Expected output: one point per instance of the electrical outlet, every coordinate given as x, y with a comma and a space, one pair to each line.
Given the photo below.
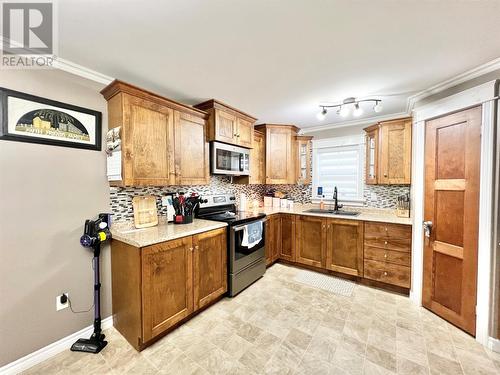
373, 197
59, 304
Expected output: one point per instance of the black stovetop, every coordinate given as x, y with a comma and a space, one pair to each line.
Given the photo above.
234, 218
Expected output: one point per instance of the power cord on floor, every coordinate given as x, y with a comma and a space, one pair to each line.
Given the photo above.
81, 311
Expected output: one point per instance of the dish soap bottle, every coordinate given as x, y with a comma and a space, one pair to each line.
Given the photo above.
322, 204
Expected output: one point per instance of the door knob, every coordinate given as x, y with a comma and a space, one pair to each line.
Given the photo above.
427, 228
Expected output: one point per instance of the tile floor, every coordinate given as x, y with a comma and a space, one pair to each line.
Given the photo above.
278, 326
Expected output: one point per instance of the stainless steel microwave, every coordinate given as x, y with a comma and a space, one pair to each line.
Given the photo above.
229, 160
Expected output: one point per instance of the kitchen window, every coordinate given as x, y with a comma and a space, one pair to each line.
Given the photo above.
339, 162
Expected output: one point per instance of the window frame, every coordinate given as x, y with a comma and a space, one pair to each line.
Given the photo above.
355, 142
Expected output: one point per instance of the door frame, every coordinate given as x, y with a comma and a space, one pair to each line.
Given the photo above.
485, 95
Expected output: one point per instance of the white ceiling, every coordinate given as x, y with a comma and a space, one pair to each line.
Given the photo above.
278, 59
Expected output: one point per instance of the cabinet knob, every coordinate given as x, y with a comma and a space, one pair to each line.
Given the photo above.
385, 174
235, 135
386, 229
385, 273
190, 249
196, 247
385, 255
385, 242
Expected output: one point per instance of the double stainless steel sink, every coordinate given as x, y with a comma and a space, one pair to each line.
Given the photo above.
332, 212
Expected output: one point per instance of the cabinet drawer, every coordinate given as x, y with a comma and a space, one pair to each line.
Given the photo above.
396, 257
389, 243
387, 273
379, 230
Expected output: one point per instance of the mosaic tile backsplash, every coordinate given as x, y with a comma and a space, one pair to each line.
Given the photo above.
121, 198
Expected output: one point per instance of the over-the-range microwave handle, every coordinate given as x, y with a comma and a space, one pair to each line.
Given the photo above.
242, 226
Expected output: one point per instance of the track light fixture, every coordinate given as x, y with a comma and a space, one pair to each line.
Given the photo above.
343, 109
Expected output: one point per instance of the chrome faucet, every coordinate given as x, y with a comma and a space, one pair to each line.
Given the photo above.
336, 205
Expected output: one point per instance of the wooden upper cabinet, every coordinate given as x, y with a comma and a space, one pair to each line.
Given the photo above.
257, 162
372, 147
209, 267
227, 124
167, 282
345, 246
388, 152
151, 127
280, 153
245, 132
303, 159
311, 240
191, 151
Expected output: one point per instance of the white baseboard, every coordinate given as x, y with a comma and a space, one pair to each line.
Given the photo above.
494, 344
50, 350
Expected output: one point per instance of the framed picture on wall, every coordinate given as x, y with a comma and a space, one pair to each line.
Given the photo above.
30, 118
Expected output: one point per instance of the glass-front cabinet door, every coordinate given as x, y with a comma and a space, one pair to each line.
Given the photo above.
371, 155
303, 159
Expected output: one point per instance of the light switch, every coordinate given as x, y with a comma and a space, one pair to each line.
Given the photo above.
373, 196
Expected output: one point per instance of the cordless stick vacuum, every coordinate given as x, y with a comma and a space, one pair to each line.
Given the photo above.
95, 233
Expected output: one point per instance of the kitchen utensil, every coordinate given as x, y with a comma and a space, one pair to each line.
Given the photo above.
145, 211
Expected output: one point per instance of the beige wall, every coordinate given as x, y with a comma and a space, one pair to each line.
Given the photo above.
46, 193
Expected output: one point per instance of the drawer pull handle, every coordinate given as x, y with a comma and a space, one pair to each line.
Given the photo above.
386, 229
385, 273
385, 256
385, 242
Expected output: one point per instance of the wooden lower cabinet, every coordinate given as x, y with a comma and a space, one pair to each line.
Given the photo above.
287, 249
156, 287
344, 252
311, 240
209, 267
167, 285
273, 238
375, 251
387, 253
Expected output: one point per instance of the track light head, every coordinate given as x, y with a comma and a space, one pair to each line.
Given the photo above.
378, 106
357, 110
322, 114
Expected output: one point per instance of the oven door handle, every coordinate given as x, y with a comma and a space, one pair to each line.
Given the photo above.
241, 227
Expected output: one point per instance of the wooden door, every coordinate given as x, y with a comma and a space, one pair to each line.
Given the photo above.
287, 249
209, 266
311, 240
345, 246
191, 150
225, 127
452, 161
278, 156
167, 285
395, 152
245, 132
148, 147
371, 169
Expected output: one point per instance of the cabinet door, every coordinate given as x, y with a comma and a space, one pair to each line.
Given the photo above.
269, 240
371, 169
311, 240
225, 127
167, 285
257, 160
345, 246
287, 250
245, 133
210, 266
191, 150
303, 161
395, 152
279, 156
148, 145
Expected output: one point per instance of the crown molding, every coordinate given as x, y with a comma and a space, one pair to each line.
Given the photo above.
81, 71
478, 71
365, 121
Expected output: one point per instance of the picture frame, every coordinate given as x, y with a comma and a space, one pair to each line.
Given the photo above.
34, 119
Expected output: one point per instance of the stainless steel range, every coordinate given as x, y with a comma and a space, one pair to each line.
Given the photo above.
245, 242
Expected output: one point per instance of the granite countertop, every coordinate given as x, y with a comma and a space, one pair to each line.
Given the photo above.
367, 214
127, 233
